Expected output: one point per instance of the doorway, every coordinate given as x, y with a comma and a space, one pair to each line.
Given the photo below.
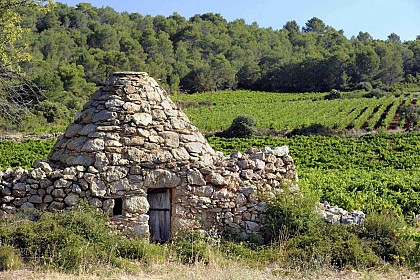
159, 214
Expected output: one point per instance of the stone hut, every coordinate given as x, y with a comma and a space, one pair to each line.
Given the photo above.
132, 153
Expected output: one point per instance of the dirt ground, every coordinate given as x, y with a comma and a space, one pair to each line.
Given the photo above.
205, 272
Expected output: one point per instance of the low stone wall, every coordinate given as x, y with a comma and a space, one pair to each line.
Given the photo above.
219, 196
337, 215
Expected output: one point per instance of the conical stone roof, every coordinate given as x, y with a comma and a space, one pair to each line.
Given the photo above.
131, 122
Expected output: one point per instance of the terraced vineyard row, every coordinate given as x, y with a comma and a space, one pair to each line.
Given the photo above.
215, 111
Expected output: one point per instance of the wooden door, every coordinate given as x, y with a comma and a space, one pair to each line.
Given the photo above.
159, 214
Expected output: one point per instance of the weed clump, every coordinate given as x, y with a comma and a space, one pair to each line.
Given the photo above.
9, 258
69, 241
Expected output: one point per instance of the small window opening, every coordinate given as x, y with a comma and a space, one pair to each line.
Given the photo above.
117, 207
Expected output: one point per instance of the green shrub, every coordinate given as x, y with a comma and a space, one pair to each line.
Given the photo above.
140, 249
73, 240
9, 258
288, 215
412, 235
187, 104
242, 126
313, 129
52, 111
377, 93
365, 86
329, 245
334, 94
380, 231
253, 254
411, 114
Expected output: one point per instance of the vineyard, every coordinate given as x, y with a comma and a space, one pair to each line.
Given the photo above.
23, 154
372, 172
368, 173
214, 111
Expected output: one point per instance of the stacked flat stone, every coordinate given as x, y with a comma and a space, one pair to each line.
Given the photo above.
130, 121
335, 214
130, 138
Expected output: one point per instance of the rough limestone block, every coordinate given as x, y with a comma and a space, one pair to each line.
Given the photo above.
72, 130
98, 188
95, 202
72, 199
136, 204
216, 179
141, 230
56, 206
195, 177
143, 119
161, 178
280, 151
104, 116
93, 145
36, 199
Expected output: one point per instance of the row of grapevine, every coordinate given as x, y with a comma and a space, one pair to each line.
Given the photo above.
288, 111
23, 154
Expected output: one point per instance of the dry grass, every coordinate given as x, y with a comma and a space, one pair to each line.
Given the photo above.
220, 271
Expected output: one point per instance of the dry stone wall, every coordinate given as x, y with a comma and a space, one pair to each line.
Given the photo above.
129, 139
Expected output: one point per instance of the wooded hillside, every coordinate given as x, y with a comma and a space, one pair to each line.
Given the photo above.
73, 50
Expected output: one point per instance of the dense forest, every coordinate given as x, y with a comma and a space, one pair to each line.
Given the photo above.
74, 49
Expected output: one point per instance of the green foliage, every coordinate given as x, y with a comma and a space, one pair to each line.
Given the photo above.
377, 93
329, 245
290, 214
52, 111
313, 129
76, 48
206, 54
192, 246
334, 94
381, 232
291, 222
11, 30
242, 126
9, 258
23, 154
74, 240
412, 234
367, 86
411, 114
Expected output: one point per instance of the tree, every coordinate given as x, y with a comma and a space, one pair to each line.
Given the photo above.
292, 26
391, 63
394, 38
411, 114
17, 93
365, 65
364, 37
315, 25
11, 31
